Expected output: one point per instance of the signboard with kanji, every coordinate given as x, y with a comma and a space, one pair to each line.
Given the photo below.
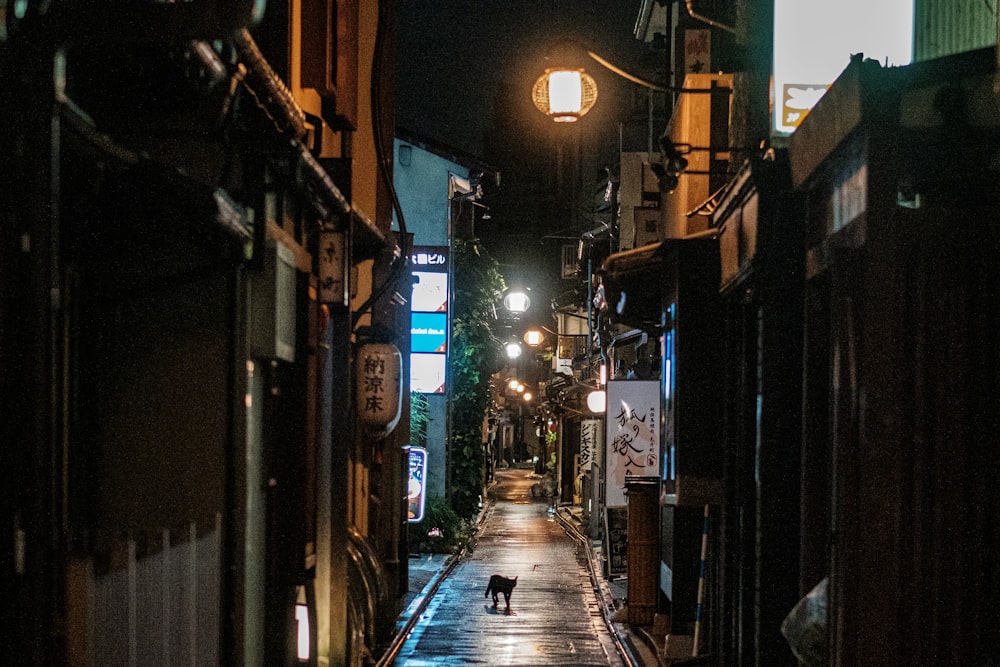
332, 271
632, 435
590, 441
616, 530
379, 385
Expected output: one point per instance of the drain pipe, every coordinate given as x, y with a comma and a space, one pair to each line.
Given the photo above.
705, 19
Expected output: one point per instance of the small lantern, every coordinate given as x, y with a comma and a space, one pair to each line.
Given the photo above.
597, 401
564, 94
379, 387
533, 337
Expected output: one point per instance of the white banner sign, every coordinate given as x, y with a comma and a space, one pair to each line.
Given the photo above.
590, 441
633, 435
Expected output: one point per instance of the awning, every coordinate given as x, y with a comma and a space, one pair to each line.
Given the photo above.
633, 284
637, 282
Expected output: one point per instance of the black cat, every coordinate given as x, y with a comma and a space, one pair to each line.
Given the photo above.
503, 585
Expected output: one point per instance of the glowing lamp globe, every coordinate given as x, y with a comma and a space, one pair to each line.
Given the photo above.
597, 401
517, 302
533, 337
564, 95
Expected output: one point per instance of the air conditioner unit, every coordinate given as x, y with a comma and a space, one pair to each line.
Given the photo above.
271, 305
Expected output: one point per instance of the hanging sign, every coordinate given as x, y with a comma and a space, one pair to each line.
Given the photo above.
590, 442
632, 435
416, 490
616, 530
332, 271
379, 386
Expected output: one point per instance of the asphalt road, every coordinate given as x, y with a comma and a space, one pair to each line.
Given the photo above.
554, 616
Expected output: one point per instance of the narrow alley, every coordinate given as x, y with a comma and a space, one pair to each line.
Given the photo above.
555, 615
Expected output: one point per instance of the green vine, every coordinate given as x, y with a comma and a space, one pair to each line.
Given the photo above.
474, 358
419, 414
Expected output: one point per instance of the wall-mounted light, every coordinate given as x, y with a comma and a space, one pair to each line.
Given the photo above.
513, 350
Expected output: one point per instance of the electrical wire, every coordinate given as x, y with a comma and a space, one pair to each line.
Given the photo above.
401, 263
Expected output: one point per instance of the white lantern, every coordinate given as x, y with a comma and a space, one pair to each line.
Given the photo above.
379, 387
597, 401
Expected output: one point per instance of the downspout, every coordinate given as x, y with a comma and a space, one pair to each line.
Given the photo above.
705, 19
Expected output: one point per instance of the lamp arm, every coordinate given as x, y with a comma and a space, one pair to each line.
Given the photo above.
705, 19
649, 84
625, 75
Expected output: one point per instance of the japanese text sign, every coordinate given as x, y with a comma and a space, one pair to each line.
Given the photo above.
590, 441
632, 435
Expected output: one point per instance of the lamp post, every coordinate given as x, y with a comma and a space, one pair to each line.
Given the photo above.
567, 93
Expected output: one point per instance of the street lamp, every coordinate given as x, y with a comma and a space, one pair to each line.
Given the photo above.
533, 337
517, 301
566, 93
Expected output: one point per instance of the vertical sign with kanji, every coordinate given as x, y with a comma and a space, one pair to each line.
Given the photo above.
632, 435
590, 434
697, 51
332, 268
379, 386
616, 530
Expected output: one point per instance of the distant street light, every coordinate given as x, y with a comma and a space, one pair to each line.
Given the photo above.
517, 301
513, 350
533, 337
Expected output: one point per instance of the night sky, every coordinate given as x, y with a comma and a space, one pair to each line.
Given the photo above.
464, 72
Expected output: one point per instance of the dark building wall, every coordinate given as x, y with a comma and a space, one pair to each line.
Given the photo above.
905, 285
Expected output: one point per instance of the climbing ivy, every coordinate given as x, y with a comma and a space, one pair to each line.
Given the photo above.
419, 413
474, 358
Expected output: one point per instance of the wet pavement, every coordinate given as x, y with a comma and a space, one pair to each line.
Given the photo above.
556, 617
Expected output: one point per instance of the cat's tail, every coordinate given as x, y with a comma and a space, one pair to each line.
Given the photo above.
488, 590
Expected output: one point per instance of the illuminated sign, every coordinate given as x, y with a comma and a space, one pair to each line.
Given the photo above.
815, 39
428, 332
633, 435
430, 292
429, 324
427, 373
416, 487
